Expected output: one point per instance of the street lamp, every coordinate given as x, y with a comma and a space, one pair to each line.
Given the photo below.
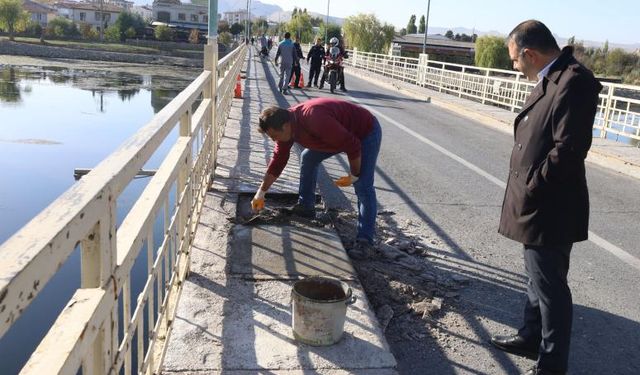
426, 28
326, 25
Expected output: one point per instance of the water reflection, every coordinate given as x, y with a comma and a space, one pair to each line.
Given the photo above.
55, 120
9, 90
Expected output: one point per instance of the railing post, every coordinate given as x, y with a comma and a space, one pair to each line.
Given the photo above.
461, 85
211, 64
516, 90
485, 86
354, 63
607, 110
98, 262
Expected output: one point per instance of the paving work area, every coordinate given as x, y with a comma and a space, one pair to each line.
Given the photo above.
234, 313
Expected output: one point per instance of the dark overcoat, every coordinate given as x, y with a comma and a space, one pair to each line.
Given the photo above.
546, 201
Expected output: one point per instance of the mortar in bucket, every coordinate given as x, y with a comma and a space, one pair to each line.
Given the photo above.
319, 309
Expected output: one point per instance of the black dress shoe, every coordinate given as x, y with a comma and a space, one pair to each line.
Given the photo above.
538, 371
516, 345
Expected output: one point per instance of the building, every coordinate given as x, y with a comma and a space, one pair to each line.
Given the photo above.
176, 14
238, 16
144, 11
94, 14
410, 45
40, 13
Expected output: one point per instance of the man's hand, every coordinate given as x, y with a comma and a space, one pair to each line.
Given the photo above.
346, 180
257, 203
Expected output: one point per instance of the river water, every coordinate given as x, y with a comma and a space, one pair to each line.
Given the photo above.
54, 119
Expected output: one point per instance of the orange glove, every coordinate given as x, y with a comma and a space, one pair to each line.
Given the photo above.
346, 180
257, 203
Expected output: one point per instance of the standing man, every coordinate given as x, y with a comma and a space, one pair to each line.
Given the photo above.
546, 202
326, 127
316, 54
286, 51
296, 62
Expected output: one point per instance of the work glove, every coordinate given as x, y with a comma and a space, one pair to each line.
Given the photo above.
257, 203
346, 180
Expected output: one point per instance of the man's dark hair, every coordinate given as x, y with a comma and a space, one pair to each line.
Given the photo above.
287, 35
273, 118
535, 35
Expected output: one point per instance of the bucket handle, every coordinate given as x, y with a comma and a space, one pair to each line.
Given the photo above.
351, 299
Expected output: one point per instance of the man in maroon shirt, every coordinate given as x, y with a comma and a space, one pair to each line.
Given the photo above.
325, 127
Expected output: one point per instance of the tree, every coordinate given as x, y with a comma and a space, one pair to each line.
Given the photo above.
411, 26
301, 25
492, 52
571, 41
236, 29
163, 33
62, 28
403, 31
225, 38
223, 27
112, 34
128, 20
422, 25
194, 36
449, 34
365, 32
332, 30
12, 17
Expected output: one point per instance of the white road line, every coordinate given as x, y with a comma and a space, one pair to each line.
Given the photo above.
599, 241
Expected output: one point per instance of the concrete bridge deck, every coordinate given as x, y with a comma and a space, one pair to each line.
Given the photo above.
234, 314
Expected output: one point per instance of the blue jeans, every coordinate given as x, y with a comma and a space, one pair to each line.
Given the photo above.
367, 204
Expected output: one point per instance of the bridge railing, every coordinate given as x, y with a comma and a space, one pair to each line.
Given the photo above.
618, 111
86, 335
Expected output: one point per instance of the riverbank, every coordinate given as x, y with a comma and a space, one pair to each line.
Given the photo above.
99, 53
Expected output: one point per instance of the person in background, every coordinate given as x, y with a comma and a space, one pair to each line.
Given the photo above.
326, 127
316, 55
295, 72
546, 202
287, 53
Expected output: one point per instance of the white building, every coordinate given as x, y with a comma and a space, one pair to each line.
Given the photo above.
239, 16
40, 13
144, 11
91, 13
175, 13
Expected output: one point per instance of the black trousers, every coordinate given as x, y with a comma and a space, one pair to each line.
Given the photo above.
295, 72
314, 73
548, 313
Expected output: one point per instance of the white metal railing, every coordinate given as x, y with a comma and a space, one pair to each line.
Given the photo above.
86, 333
618, 111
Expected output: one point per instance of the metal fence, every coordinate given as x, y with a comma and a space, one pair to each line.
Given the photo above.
618, 115
86, 335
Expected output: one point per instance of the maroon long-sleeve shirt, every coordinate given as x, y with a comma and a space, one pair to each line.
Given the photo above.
324, 124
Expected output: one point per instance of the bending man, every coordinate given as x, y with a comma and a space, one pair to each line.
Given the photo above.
326, 127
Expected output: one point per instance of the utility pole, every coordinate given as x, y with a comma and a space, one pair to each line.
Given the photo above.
326, 25
101, 21
426, 28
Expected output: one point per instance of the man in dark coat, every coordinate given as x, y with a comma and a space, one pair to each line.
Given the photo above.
316, 55
546, 202
295, 70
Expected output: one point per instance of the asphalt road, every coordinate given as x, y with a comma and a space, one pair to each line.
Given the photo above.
443, 172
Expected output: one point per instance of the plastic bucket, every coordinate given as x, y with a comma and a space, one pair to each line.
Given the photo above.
319, 309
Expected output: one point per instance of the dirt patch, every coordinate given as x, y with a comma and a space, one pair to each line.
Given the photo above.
413, 299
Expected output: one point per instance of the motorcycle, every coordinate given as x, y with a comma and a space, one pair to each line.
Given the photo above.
333, 65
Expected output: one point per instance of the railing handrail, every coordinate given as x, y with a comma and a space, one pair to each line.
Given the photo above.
617, 114
84, 216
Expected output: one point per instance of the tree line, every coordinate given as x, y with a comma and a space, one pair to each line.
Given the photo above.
492, 52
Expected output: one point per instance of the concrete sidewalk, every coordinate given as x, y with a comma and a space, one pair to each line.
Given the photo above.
234, 315
620, 157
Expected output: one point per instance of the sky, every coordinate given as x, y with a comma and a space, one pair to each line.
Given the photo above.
617, 21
